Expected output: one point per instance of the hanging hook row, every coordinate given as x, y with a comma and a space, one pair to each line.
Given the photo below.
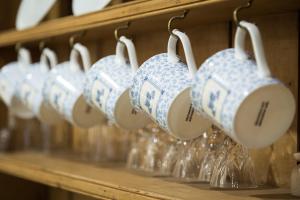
117, 30
238, 9
126, 26
170, 29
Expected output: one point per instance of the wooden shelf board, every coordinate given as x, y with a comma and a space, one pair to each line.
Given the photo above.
115, 182
146, 14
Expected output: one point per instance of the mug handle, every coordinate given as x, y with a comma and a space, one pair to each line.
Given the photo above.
188, 52
80, 50
24, 56
52, 58
125, 42
239, 45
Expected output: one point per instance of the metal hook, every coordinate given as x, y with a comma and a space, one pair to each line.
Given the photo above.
174, 18
42, 45
116, 32
18, 46
75, 36
238, 9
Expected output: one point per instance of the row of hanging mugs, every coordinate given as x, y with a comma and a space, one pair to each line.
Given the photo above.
230, 90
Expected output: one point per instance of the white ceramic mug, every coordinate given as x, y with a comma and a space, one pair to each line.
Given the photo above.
107, 87
30, 89
240, 95
10, 77
161, 88
63, 90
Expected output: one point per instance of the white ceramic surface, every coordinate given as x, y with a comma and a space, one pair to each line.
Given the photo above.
107, 87
63, 90
10, 77
31, 12
29, 90
240, 95
80, 7
161, 88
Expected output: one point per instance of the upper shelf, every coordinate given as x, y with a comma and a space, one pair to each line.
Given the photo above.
142, 12
113, 182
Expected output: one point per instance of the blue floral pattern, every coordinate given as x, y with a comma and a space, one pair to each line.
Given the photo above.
10, 77
30, 93
237, 77
110, 79
68, 87
157, 71
213, 97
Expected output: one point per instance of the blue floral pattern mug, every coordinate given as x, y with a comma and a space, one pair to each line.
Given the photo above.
10, 77
30, 88
107, 87
240, 95
63, 90
161, 88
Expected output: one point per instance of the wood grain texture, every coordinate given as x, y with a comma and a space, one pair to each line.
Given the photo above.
203, 10
115, 182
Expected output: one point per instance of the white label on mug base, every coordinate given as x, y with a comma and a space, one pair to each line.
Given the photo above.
261, 113
57, 98
149, 98
100, 93
214, 95
28, 94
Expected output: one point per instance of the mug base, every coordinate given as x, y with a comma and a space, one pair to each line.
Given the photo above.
48, 115
20, 110
264, 116
126, 116
84, 115
183, 122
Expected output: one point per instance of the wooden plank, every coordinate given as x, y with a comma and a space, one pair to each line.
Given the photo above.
203, 10
113, 182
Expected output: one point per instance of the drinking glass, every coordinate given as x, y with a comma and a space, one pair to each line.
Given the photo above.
116, 142
190, 156
152, 158
170, 156
97, 144
214, 142
6, 133
137, 149
233, 168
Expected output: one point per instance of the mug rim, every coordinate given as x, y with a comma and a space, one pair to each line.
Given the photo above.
254, 144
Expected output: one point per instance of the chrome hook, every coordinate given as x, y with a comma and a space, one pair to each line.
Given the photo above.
238, 9
116, 32
174, 18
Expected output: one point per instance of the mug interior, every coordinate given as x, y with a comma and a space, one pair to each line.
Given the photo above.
264, 116
183, 122
126, 116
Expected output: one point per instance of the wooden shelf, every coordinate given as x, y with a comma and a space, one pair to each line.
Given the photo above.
115, 182
146, 14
